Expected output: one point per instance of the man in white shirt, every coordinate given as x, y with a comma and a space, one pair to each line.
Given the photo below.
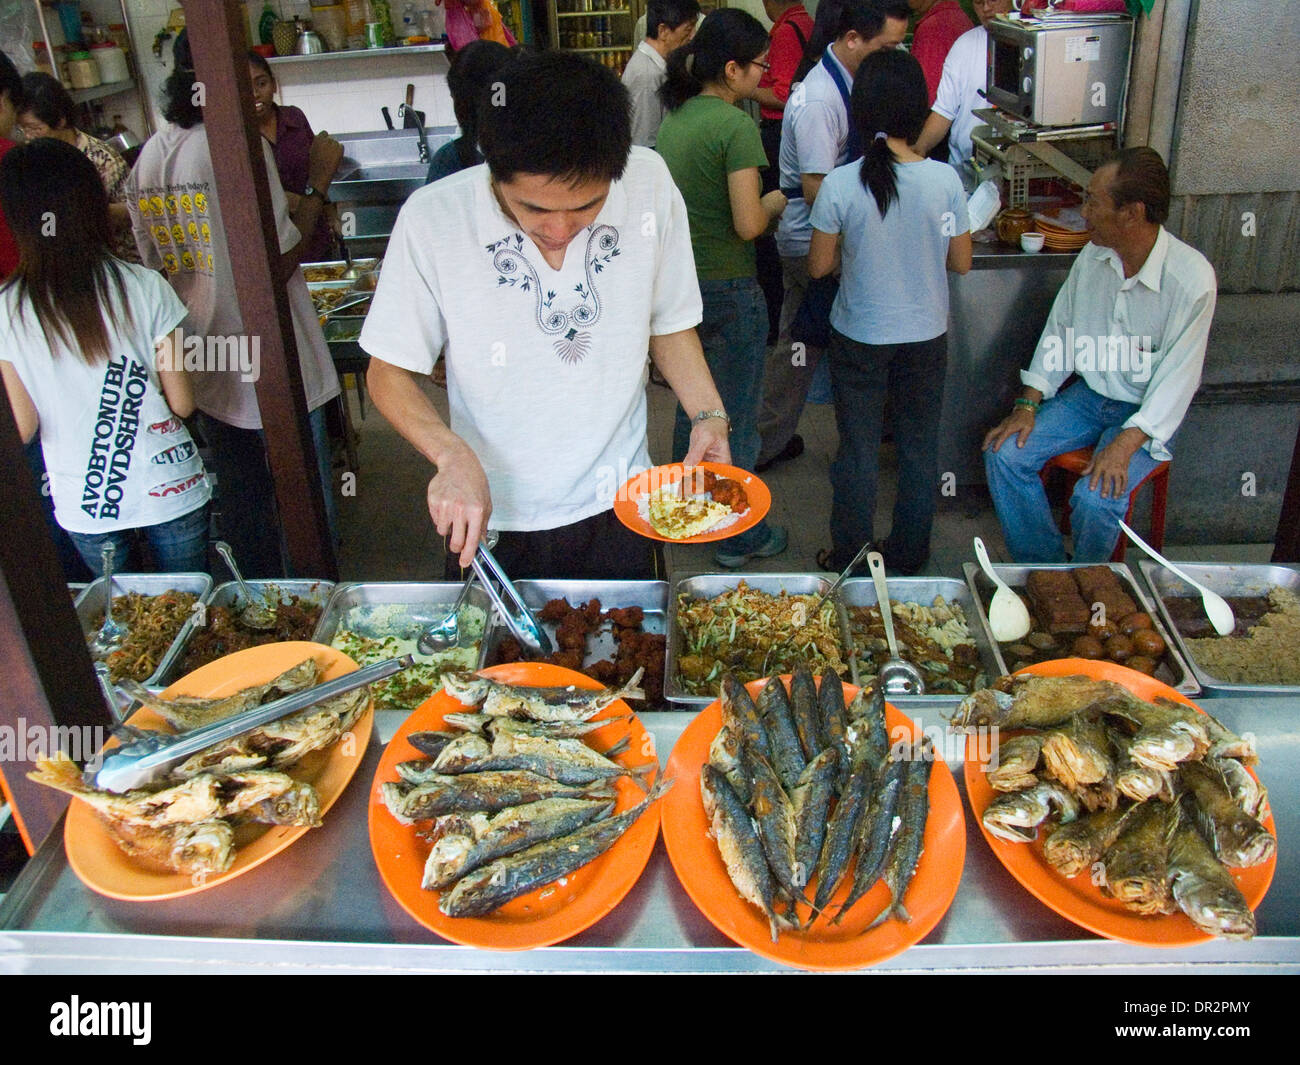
1131, 321
965, 74
542, 277
816, 137
669, 25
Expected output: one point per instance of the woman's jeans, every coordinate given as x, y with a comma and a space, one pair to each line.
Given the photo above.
246, 492
1075, 418
862, 377
734, 337
179, 545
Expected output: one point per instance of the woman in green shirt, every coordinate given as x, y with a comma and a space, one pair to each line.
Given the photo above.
714, 152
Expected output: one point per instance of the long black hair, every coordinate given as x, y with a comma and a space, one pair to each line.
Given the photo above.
726, 35
178, 90
57, 210
836, 17
473, 69
889, 100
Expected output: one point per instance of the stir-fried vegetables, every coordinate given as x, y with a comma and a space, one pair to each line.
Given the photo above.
733, 632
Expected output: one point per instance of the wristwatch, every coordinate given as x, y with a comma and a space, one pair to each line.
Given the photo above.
705, 415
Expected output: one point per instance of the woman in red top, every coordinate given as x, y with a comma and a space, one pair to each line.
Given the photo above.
938, 24
11, 99
290, 135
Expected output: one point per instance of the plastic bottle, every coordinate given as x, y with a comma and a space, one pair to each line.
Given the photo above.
410, 21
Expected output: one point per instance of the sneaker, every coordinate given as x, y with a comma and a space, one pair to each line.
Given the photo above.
776, 543
792, 450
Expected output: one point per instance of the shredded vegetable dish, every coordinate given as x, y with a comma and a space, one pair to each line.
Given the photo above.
734, 631
152, 623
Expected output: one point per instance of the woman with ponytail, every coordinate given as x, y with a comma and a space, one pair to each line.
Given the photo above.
899, 222
714, 152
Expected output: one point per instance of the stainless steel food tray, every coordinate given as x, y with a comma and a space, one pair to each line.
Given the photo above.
1173, 669
423, 603
228, 595
363, 265
650, 596
1226, 579
91, 602
860, 592
706, 586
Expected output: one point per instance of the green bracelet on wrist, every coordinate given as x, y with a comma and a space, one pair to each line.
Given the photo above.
1027, 404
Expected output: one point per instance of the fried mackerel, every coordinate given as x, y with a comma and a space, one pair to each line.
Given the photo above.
914, 807
568, 703
495, 884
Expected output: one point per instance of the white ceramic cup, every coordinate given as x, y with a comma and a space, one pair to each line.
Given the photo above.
1032, 241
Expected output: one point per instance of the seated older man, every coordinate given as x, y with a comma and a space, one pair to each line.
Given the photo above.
1131, 324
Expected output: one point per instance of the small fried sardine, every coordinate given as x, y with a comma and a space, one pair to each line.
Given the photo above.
568, 703
476, 791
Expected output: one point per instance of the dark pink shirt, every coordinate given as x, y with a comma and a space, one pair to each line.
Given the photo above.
933, 36
292, 147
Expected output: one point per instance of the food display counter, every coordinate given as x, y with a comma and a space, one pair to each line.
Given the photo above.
322, 907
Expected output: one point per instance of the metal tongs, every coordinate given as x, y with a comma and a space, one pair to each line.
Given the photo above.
521, 622
151, 755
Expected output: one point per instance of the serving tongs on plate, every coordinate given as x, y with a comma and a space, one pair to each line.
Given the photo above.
151, 755
521, 621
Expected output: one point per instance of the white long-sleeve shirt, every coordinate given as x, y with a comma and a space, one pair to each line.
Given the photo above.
1140, 339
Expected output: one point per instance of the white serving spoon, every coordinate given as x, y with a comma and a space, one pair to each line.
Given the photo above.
1216, 607
1008, 615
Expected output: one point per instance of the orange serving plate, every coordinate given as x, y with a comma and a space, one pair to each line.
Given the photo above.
847, 945
553, 912
1077, 899
630, 495
104, 867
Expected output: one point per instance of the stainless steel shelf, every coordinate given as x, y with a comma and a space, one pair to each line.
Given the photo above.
81, 96
360, 53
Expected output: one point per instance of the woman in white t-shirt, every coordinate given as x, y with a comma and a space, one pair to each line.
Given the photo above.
900, 223
88, 361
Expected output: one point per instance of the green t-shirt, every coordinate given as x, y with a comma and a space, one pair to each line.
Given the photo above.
702, 142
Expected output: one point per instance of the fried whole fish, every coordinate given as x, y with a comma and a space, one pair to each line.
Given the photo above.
1072, 848
464, 842
880, 831
495, 884
914, 811
1239, 840
740, 714
1223, 742
835, 721
811, 799
725, 752
204, 849
569, 761
1138, 782
1078, 752
185, 712
431, 743
1135, 865
1203, 889
1015, 817
733, 830
1031, 701
283, 743
567, 703
868, 735
1246, 791
807, 714
774, 710
774, 816
468, 792
1017, 762
1168, 733
843, 834
205, 797
489, 725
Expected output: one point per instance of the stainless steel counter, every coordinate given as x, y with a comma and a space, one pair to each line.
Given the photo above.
321, 907
995, 316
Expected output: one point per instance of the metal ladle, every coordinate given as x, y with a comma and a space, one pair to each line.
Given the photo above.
111, 633
445, 633
896, 677
254, 616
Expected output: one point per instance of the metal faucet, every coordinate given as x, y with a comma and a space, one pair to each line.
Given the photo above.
404, 112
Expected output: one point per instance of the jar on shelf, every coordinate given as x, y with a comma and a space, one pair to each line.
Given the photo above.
42, 57
82, 71
111, 62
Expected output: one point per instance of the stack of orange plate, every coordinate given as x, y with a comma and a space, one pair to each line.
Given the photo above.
1058, 237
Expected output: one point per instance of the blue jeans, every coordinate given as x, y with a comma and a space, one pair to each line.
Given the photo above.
863, 376
1075, 418
246, 492
734, 337
179, 545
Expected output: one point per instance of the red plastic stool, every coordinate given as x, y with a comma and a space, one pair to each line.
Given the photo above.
1073, 464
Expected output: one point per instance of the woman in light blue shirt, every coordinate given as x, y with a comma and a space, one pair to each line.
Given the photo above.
894, 223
